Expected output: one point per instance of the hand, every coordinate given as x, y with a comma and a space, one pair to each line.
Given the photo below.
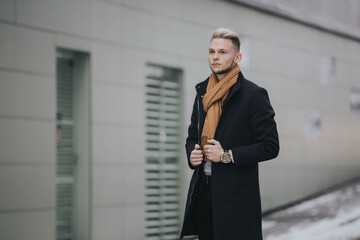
196, 156
213, 150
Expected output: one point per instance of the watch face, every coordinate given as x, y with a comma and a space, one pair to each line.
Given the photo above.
226, 157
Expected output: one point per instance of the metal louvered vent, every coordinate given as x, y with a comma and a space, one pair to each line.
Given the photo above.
162, 154
65, 151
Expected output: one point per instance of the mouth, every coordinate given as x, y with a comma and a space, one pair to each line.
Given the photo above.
215, 64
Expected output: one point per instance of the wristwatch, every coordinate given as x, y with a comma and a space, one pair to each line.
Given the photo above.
226, 157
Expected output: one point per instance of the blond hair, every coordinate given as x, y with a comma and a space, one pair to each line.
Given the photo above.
227, 34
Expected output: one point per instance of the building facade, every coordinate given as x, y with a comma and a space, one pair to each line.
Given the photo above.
96, 96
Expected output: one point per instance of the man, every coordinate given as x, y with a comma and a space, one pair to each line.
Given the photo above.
232, 129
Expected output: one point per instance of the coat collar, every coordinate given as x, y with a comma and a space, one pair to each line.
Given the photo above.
201, 87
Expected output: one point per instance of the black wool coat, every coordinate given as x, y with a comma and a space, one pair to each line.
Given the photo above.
247, 128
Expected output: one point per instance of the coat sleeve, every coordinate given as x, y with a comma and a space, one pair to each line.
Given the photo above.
266, 140
192, 138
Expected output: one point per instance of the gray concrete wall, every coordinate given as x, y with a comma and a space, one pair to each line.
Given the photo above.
340, 17
122, 36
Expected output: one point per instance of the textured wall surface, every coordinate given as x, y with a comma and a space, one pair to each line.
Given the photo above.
341, 17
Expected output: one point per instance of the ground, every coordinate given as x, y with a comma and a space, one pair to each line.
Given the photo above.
332, 215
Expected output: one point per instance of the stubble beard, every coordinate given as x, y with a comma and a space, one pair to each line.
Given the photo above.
224, 71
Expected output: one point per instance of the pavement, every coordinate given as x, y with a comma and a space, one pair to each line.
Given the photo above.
332, 215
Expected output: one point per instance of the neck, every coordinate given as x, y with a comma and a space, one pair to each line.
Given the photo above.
220, 76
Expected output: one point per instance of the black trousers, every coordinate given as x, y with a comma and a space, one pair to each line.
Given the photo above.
203, 211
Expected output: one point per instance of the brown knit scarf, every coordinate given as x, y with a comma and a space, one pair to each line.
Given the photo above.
216, 93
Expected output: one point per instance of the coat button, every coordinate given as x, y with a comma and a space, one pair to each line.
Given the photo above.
202, 96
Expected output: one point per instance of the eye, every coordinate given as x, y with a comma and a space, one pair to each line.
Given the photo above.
211, 51
222, 52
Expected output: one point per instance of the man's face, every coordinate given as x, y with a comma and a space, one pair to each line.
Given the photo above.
222, 56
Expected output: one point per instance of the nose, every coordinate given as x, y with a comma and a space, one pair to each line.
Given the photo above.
215, 56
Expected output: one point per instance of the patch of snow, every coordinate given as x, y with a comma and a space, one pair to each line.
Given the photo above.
332, 216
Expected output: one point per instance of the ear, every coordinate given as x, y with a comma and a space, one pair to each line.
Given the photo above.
238, 57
